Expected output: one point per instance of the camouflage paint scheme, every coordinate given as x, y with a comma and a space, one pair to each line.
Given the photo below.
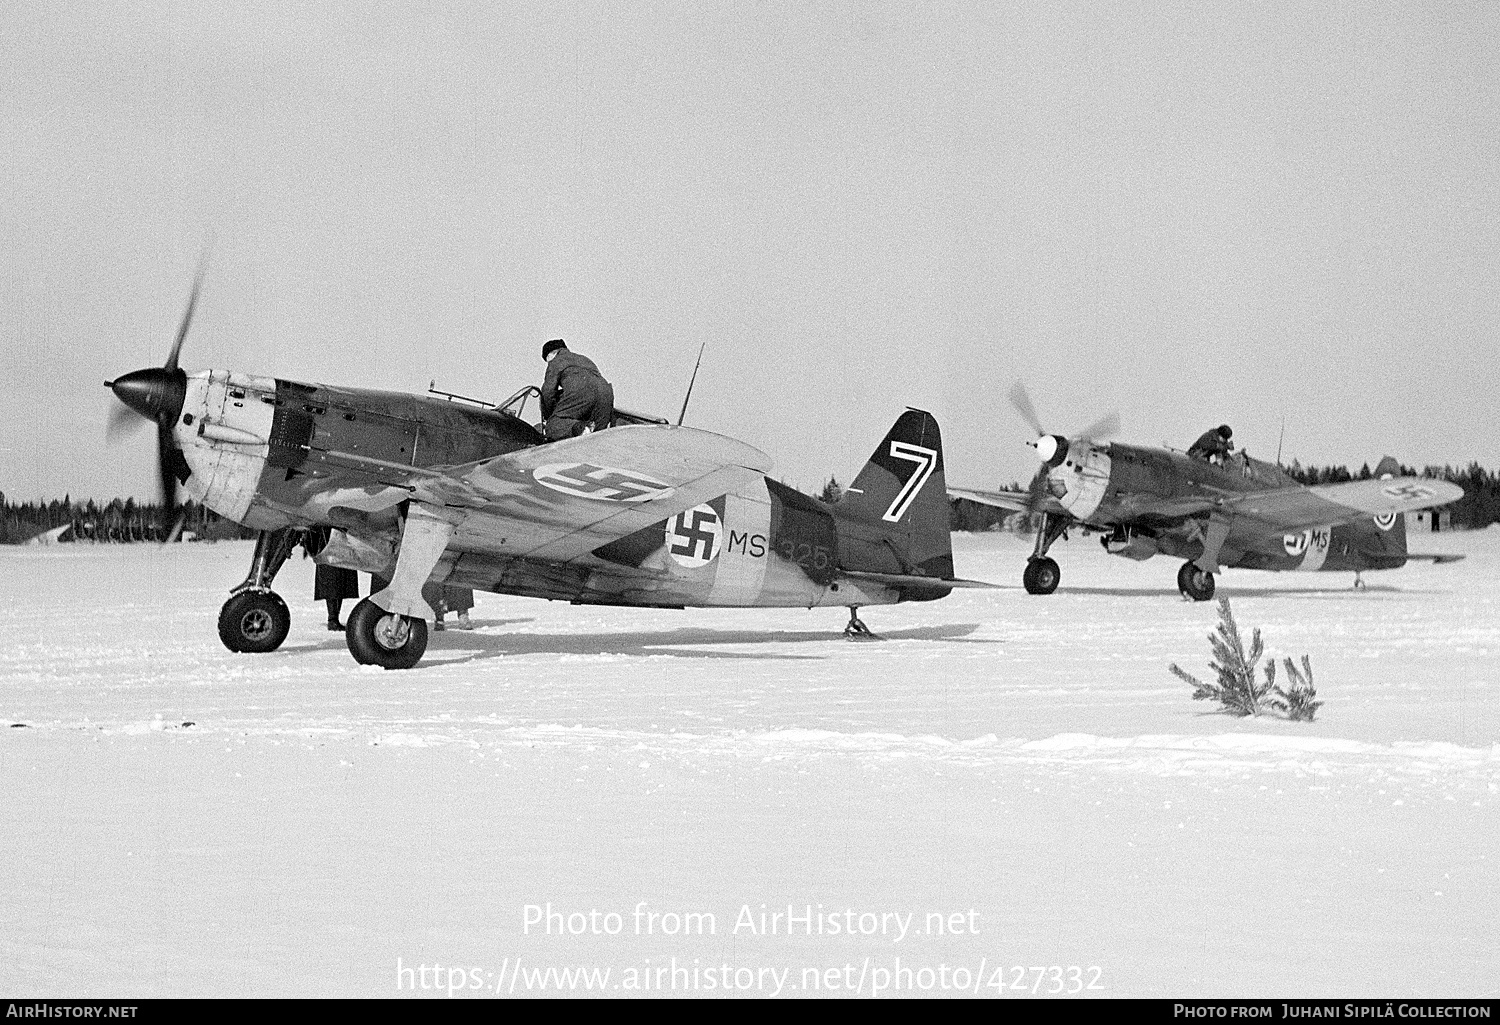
276, 454
1232, 512
1149, 490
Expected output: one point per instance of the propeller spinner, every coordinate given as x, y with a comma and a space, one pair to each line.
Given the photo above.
155, 393
1051, 449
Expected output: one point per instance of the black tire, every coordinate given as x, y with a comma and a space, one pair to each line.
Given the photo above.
254, 622
1042, 576
380, 638
1194, 583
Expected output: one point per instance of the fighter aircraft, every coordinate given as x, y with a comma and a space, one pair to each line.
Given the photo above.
1229, 511
415, 487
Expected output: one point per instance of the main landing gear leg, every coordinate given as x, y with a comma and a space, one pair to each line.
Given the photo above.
255, 619
1196, 578
856, 630
389, 628
1359, 580
1042, 574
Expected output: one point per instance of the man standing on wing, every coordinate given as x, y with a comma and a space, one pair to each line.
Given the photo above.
575, 396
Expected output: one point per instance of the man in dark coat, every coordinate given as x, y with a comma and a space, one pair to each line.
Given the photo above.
575, 396
331, 584
1214, 445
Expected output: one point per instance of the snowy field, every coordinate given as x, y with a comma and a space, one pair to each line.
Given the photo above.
1005, 782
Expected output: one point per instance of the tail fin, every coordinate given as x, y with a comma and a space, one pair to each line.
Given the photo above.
894, 517
1390, 535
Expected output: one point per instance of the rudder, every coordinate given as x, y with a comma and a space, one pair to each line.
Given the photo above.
894, 517
1390, 533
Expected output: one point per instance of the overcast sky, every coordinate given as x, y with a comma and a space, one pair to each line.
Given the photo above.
1190, 213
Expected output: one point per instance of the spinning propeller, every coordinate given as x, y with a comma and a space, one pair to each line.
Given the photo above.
157, 394
1052, 449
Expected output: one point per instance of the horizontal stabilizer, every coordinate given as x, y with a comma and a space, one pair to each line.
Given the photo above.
1297, 508
1436, 560
1000, 499
912, 580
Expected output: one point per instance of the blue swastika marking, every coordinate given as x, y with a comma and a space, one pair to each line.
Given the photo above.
605, 483
693, 536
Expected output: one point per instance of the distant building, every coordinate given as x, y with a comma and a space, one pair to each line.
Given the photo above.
1429, 521
56, 535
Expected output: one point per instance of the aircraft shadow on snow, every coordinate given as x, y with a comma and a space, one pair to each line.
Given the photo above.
677, 643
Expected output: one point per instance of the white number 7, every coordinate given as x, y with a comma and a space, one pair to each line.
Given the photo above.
926, 460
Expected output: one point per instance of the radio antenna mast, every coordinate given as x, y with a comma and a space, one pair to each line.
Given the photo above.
691, 381
1280, 437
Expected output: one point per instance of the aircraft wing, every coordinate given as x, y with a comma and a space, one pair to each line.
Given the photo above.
1017, 500
1298, 508
562, 500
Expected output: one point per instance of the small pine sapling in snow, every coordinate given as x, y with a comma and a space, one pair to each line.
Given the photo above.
1297, 700
1235, 686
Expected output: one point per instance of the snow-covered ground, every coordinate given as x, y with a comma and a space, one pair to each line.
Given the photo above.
1015, 782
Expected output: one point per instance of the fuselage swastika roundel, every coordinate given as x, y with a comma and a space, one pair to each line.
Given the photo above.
604, 483
693, 536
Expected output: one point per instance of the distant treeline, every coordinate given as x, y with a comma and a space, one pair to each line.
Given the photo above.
121, 520
1479, 507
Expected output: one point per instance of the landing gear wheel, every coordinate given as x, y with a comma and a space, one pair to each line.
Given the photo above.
254, 622
1042, 576
380, 638
1194, 583
856, 630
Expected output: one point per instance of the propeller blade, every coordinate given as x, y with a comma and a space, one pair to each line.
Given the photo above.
1104, 427
165, 453
157, 393
1022, 403
187, 316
